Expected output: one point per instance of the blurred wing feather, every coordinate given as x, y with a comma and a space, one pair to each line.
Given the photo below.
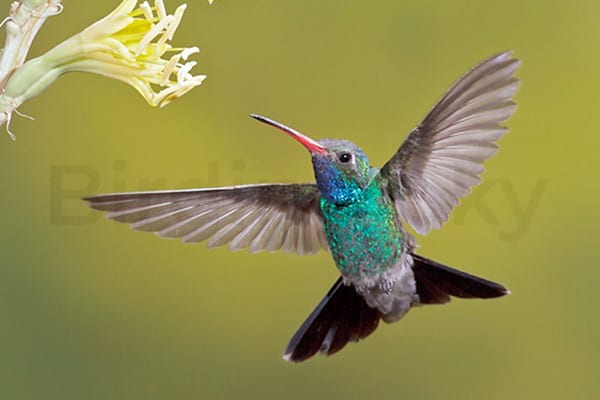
258, 217
441, 159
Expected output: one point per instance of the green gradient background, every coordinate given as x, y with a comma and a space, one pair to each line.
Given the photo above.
93, 310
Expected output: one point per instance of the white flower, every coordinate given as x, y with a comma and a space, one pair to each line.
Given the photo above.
131, 44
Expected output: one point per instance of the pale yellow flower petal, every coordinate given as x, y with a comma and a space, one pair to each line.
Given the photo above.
130, 44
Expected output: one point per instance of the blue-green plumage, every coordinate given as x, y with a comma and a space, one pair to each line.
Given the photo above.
366, 238
364, 235
360, 223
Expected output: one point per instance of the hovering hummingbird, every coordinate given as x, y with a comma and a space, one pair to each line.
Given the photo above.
355, 211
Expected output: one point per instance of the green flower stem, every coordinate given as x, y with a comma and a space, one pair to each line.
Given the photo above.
24, 21
22, 25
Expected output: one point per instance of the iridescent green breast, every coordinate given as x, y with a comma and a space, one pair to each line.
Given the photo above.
364, 236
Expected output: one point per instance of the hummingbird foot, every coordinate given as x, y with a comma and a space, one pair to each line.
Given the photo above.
386, 286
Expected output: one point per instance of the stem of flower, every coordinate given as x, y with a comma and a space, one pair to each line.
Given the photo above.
25, 19
22, 25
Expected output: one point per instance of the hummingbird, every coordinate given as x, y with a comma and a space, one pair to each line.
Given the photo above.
357, 212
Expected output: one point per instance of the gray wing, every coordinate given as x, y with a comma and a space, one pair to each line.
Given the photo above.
441, 159
260, 217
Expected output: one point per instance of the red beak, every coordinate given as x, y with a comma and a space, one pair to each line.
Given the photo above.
307, 142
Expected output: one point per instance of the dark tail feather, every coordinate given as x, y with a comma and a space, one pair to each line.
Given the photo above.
437, 282
342, 316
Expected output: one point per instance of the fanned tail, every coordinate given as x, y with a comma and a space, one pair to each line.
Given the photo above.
342, 316
437, 282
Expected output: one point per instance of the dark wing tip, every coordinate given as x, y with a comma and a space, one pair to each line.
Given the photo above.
111, 197
97, 202
92, 199
111, 202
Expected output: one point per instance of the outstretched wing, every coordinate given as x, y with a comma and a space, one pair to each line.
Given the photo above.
260, 217
441, 159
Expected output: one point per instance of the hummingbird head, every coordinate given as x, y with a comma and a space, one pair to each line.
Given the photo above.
341, 168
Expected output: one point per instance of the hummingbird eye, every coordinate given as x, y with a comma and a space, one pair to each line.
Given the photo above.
345, 157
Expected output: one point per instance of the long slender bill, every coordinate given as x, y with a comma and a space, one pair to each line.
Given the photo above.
310, 144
